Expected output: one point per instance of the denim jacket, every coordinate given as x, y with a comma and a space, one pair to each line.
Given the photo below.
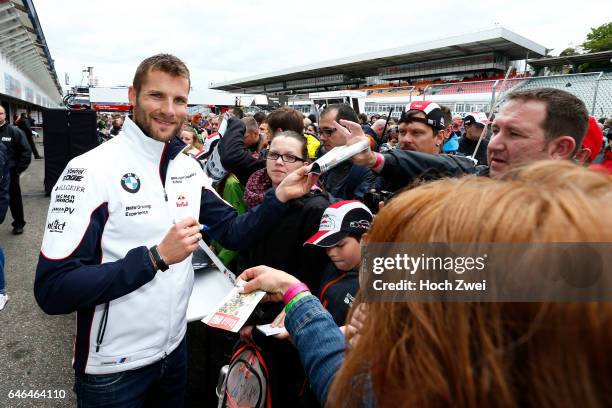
319, 342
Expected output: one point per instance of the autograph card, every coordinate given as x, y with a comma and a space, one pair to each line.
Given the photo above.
268, 330
234, 309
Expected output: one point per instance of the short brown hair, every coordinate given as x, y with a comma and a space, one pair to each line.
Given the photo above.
286, 119
260, 117
160, 62
566, 114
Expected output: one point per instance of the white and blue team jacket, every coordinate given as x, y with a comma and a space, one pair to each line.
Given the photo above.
108, 206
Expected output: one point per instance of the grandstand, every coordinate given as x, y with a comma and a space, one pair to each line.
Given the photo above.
465, 73
481, 55
603, 100
594, 89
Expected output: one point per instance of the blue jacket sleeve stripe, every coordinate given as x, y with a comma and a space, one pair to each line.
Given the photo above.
79, 281
81, 343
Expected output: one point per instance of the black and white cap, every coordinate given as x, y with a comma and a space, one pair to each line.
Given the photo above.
339, 220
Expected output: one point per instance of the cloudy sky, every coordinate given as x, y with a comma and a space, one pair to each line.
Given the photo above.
229, 39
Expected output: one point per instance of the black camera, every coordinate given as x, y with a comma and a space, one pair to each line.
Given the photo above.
373, 197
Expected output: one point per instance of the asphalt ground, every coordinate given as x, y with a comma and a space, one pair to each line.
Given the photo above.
35, 349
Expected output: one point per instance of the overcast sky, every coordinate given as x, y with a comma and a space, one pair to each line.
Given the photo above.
225, 40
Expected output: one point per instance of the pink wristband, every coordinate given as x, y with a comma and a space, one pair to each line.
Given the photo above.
379, 159
294, 290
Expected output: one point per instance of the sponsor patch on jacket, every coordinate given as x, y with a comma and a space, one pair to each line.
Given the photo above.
121, 360
56, 226
180, 179
64, 198
74, 174
69, 187
139, 209
130, 183
181, 201
62, 210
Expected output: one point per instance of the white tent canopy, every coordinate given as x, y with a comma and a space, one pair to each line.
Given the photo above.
119, 95
221, 98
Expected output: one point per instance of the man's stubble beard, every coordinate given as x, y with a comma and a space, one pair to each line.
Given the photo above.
144, 122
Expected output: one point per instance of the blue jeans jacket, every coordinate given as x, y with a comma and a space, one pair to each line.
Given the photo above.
319, 342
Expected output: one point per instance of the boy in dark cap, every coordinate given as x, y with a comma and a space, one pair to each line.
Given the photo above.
340, 231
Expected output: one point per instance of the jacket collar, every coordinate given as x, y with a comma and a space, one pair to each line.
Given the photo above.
149, 148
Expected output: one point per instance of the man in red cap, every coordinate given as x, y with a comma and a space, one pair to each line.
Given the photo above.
422, 128
591, 144
591, 147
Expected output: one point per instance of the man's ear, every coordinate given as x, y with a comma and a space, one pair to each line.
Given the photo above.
132, 95
561, 148
439, 137
583, 156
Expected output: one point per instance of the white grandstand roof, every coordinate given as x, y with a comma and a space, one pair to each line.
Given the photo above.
23, 43
498, 39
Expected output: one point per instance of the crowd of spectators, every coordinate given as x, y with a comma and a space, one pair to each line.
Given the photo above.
461, 160
538, 171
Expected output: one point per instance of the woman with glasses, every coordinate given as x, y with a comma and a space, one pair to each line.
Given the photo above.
283, 245
283, 248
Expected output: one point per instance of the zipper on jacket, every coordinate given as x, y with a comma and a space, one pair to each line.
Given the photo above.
102, 326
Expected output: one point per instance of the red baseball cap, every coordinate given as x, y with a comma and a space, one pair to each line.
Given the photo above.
593, 139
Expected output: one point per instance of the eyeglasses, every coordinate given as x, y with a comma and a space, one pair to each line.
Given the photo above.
287, 158
327, 131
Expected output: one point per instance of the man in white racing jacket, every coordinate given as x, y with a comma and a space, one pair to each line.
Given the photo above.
122, 223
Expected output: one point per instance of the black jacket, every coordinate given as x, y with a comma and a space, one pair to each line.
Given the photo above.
403, 167
338, 291
348, 181
283, 248
467, 146
25, 126
19, 151
4, 182
235, 156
